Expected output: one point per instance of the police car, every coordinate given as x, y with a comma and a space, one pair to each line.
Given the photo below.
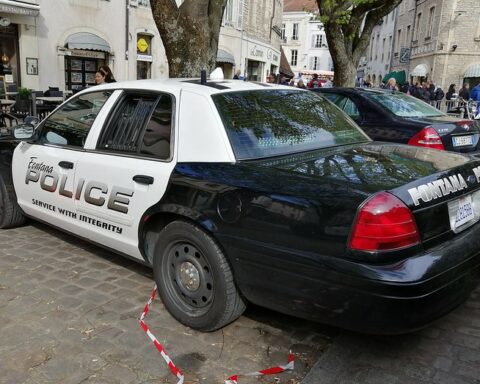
239, 192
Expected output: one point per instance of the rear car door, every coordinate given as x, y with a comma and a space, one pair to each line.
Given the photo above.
44, 169
127, 168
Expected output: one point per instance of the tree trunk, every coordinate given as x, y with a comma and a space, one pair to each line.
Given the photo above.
189, 34
343, 62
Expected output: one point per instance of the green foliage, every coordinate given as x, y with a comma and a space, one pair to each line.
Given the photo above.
23, 93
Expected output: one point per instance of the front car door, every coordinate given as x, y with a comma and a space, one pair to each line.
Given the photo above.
44, 169
126, 169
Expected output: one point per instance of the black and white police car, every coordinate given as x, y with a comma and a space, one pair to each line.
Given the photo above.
239, 192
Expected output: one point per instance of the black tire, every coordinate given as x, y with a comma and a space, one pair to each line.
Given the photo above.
194, 278
10, 213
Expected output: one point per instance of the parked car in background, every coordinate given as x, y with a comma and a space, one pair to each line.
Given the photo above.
396, 117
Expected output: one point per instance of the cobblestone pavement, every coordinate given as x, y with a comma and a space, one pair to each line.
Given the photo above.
69, 314
447, 352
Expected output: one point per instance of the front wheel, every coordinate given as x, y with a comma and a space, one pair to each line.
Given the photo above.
194, 278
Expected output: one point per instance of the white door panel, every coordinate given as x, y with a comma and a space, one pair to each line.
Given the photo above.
45, 189
110, 212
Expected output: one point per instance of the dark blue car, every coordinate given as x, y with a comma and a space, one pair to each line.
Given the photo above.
396, 117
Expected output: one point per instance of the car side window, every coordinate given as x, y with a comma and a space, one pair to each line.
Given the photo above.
351, 109
336, 99
141, 125
69, 125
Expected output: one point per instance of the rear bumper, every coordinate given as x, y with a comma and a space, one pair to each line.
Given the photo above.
387, 299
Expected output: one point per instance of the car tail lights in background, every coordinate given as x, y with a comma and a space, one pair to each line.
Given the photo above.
427, 137
383, 223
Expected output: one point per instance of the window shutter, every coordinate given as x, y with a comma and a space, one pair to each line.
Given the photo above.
241, 9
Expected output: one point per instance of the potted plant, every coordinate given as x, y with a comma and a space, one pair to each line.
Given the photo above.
23, 93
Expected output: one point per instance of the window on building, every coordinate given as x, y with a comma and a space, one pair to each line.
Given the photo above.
293, 61
295, 32
407, 36
417, 26
377, 47
317, 41
399, 41
383, 49
228, 14
430, 22
315, 63
390, 47
282, 33
371, 47
144, 3
144, 56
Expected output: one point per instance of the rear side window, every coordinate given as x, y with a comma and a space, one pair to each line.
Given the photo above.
141, 125
69, 125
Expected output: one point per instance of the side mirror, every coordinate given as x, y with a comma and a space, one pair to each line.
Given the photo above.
23, 131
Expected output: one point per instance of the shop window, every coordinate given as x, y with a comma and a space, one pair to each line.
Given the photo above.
144, 56
9, 65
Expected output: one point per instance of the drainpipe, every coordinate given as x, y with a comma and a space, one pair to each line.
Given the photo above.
127, 35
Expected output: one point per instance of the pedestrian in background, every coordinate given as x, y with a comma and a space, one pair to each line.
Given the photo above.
237, 75
300, 84
314, 83
391, 84
104, 75
451, 94
465, 92
475, 95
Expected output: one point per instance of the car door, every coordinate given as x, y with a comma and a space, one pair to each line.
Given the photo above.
127, 169
44, 169
346, 104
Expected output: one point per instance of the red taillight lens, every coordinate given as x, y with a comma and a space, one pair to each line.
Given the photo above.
427, 137
384, 223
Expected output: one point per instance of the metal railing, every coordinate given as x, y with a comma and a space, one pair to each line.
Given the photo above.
458, 108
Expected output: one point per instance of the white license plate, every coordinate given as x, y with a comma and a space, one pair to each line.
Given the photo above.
461, 212
459, 141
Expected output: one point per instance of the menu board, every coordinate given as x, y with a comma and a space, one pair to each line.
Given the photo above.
2, 87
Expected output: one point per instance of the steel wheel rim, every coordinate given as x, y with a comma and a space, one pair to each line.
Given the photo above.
188, 277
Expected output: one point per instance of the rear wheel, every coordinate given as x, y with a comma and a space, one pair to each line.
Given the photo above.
194, 278
10, 213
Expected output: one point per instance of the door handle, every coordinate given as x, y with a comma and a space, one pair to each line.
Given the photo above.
142, 179
66, 164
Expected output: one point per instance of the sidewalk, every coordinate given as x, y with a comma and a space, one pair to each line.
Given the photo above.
447, 352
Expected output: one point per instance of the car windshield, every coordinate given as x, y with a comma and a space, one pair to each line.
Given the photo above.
274, 122
405, 106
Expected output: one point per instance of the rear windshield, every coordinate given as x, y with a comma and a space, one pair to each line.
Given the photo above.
273, 122
405, 106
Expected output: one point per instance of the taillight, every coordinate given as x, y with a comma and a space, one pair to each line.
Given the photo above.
427, 137
384, 223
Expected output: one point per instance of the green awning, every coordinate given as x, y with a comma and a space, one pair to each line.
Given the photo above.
400, 76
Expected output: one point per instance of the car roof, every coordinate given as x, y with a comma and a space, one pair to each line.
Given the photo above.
361, 91
194, 85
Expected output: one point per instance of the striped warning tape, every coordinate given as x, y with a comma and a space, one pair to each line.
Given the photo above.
179, 374
159, 346
268, 371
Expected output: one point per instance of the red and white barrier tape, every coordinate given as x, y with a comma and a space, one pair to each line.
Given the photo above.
231, 380
159, 346
268, 371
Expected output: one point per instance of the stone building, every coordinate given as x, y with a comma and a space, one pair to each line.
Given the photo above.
376, 62
250, 38
445, 45
303, 39
404, 23
61, 43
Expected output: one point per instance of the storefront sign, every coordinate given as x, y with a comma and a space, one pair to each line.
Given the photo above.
18, 10
273, 56
86, 53
144, 58
256, 52
142, 45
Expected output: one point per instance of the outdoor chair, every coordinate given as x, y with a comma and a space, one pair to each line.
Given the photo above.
18, 111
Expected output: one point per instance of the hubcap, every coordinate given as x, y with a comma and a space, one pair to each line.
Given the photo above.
189, 276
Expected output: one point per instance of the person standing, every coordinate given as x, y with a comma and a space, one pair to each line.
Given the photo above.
314, 83
465, 92
475, 96
104, 75
451, 94
300, 84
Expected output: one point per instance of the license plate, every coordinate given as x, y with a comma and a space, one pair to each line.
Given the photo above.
461, 212
459, 141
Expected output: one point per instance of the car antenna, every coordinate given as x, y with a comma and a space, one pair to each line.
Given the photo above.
203, 77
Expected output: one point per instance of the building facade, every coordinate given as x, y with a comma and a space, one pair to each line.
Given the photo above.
446, 42
376, 62
18, 43
61, 43
405, 19
303, 39
250, 38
